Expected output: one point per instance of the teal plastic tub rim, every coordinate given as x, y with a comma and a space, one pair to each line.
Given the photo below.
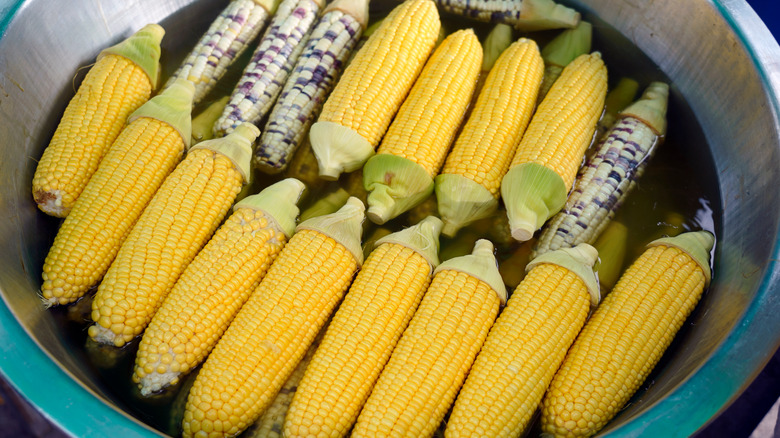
81, 413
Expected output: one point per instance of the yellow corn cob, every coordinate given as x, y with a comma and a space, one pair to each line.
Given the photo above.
467, 189
228, 36
364, 101
562, 50
146, 151
627, 334
551, 152
122, 79
175, 225
526, 345
430, 362
215, 285
364, 331
271, 423
401, 175
276, 326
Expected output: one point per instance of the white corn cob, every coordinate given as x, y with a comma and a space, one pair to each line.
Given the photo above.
226, 39
315, 73
610, 174
270, 65
525, 15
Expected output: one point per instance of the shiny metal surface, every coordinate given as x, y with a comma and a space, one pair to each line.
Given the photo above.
721, 59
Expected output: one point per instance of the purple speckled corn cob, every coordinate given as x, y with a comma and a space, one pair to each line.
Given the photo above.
270, 66
605, 180
527, 15
225, 40
314, 75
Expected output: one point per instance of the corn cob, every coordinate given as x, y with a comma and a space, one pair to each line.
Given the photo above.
612, 248
526, 15
175, 225
144, 153
313, 77
271, 423
278, 323
526, 345
467, 188
430, 362
546, 161
364, 101
215, 285
401, 175
627, 334
610, 175
364, 331
228, 36
203, 123
562, 50
270, 65
617, 99
122, 79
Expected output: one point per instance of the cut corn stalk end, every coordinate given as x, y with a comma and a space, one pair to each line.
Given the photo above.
697, 244
481, 264
280, 201
532, 194
173, 106
422, 238
579, 260
142, 48
462, 201
344, 226
545, 14
651, 107
203, 123
338, 149
395, 185
357, 9
237, 146
499, 38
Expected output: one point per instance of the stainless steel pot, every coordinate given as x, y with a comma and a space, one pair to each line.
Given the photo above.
718, 54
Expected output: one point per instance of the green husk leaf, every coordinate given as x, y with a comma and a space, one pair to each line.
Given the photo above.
269, 5
326, 204
338, 149
568, 45
579, 260
344, 226
532, 194
651, 107
203, 123
499, 38
612, 249
237, 146
545, 14
481, 264
395, 185
173, 106
462, 201
142, 48
280, 201
422, 238
697, 244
